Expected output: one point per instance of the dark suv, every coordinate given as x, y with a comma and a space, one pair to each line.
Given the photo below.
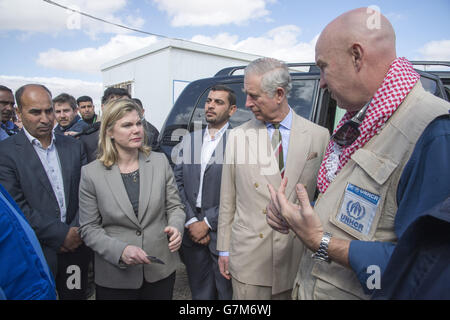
306, 98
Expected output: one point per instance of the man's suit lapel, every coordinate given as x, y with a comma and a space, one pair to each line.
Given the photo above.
32, 160
115, 183
196, 144
65, 160
299, 145
145, 184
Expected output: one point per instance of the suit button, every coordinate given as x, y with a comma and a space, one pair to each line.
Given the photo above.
264, 211
256, 185
138, 233
261, 235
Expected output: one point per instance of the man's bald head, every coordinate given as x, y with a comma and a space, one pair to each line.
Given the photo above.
357, 26
21, 91
358, 48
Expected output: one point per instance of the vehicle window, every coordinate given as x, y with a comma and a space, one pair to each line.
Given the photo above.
430, 85
176, 123
301, 99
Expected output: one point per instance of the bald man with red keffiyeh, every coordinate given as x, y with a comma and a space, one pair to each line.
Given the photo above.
350, 233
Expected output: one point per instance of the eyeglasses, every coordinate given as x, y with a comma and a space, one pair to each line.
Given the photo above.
349, 132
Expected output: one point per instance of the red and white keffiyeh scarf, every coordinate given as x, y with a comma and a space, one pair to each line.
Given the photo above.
397, 84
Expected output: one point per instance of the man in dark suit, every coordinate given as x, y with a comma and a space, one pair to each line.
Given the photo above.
150, 130
198, 172
41, 171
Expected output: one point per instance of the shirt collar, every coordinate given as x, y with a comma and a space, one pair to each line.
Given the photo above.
9, 125
286, 122
3, 134
34, 141
219, 133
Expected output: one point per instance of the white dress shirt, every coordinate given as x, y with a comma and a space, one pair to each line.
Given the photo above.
209, 145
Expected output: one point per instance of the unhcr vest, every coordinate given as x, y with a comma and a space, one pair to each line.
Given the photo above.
372, 173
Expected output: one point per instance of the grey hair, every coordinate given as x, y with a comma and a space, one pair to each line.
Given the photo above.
274, 73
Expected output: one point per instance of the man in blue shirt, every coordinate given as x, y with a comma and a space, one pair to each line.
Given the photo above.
7, 111
3, 134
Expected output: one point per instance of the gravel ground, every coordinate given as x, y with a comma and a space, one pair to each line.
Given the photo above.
181, 290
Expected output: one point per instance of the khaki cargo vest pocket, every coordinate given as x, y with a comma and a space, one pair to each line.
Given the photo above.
364, 196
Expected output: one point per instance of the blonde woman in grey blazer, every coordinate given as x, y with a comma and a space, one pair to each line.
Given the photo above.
130, 211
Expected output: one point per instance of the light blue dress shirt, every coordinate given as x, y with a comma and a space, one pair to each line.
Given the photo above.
285, 130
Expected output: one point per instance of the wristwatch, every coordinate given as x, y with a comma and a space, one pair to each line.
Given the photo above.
322, 253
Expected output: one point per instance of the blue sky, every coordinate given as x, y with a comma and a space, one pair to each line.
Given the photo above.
42, 42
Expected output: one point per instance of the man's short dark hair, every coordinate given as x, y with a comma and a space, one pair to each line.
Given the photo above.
21, 90
66, 98
84, 99
114, 91
139, 103
231, 94
3, 88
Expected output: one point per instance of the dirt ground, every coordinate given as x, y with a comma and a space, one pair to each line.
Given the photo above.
181, 290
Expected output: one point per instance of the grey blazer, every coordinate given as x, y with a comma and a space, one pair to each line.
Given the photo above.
108, 223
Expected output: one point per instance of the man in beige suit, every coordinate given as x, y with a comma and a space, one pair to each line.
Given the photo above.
262, 263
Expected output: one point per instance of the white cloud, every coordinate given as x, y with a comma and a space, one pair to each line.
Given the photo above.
281, 43
89, 60
74, 87
436, 50
40, 16
213, 12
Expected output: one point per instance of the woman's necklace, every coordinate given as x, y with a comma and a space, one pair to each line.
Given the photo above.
133, 175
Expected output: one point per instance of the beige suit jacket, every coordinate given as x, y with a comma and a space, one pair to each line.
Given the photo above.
108, 223
259, 255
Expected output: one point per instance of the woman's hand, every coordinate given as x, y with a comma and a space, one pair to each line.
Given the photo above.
133, 255
174, 238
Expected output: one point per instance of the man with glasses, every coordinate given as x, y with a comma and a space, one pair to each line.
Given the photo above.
7, 109
365, 202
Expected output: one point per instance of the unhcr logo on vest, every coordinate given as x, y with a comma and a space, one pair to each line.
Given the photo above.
355, 210
358, 209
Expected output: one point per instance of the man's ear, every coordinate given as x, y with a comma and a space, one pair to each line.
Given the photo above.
280, 94
357, 52
232, 110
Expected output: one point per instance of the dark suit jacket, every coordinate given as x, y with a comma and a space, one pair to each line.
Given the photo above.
24, 177
89, 138
187, 174
152, 134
